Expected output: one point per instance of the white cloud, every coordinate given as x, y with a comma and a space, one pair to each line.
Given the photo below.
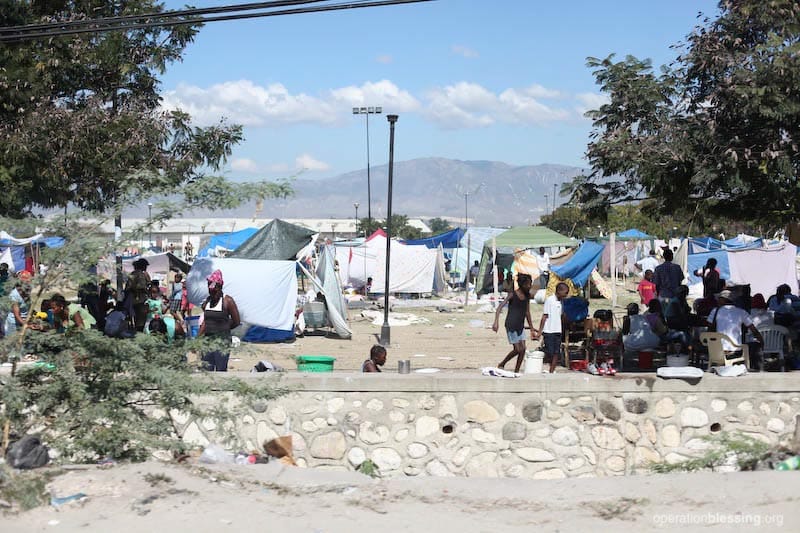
307, 162
385, 59
244, 165
383, 93
469, 105
589, 101
464, 51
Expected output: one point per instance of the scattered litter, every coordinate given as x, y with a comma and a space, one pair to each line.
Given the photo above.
487, 308
395, 319
267, 366
236, 342
226, 522
498, 372
349, 490
730, 371
427, 370
419, 355
53, 523
214, 453
477, 324
235, 359
445, 358
77, 497
4, 503
448, 326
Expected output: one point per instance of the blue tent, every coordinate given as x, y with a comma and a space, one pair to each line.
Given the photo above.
581, 264
229, 241
449, 239
633, 233
706, 244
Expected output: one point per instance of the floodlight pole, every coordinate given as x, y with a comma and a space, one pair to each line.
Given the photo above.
385, 330
367, 111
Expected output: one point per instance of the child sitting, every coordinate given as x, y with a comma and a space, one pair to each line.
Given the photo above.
377, 358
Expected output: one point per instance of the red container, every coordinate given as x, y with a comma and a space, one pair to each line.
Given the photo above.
645, 360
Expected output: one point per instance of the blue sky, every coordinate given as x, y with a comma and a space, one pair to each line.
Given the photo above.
500, 80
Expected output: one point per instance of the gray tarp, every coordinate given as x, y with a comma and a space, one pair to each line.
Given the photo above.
277, 241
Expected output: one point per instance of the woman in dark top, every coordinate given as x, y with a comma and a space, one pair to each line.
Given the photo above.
519, 311
220, 316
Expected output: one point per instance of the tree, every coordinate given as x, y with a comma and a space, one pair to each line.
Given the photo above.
716, 133
80, 121
439, 225
400, 227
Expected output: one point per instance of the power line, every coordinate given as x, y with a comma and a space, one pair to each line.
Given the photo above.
196, 20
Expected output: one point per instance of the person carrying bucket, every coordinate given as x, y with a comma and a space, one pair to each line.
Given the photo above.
519, 311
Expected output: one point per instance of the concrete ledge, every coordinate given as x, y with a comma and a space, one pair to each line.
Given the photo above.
571, 382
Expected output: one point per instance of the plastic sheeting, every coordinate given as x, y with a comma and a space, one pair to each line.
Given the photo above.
412, 268
227, 241
265, 291
449, 239
158, 264
634, 234
277, 241
332, 289
581, 264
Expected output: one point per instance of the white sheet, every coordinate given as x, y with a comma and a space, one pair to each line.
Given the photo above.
764, 268
265, 291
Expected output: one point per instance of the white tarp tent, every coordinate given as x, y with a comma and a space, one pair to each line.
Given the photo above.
158, 265
265, 291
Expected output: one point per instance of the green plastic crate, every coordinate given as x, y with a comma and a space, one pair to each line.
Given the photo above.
315, 363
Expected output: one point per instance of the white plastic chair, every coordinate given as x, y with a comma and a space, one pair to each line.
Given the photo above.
716, 353
774, 339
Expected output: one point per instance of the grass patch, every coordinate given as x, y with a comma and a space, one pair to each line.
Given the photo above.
746, 452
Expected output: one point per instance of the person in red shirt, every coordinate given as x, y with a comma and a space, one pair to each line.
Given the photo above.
646, 288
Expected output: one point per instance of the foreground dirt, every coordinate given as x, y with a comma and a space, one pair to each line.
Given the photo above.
167, 497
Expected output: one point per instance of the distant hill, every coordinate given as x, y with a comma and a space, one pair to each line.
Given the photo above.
427, 188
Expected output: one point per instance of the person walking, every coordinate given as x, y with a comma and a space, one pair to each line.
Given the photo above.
519, 311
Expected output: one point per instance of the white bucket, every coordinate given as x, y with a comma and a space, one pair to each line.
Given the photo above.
533, 362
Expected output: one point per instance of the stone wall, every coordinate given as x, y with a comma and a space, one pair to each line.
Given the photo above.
540, 427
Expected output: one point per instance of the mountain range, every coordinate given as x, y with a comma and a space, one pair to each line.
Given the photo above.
497, 193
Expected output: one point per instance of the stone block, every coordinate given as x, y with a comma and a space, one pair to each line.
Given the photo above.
412, 470
543, 432
535, 455
438, 469
532, 411
665, 408
615, 463
718, 405
563, 402
387, 459
745, 406
574, 462
609, 410
356, 456
646, 456
417, 450
482, 465
583, 413
309, 426
550, 473
248, 420
335, 404
328, 446
589, 454
692, 417
607, 438
509, 410
309, 409
514, 471
636, 406
765, 408
480, 411
673, 458
259, 406
426, 425
401, 435
697, 444
298, 442
426, 403
320, 422
671, 436
632, 433
460, 457
373, 434
479, 435
375, 405
448, 406
400, 403
514, 431
775, 425
396, 416
331, 421
565, 436
352, 417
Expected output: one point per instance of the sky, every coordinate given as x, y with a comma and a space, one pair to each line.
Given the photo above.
497, 80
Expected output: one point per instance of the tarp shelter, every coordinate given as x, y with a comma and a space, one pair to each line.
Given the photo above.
449, 239
412, 269
707, 244
473, 241
514, 240
633, 234
277, 241
158, 267
227, 242
15, 247
580, 265
264, 291
761, 268
328, 282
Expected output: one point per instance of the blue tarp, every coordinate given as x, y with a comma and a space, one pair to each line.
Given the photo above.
704, 244
229, 241
633, 234
697, 261
581, 264
448, 239
18, 250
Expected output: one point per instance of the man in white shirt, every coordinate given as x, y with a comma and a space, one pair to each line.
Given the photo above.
729, 320
551, 325
543, 264
647, 263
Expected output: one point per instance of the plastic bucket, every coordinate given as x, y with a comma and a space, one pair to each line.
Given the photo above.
533, 362
646, 359
315, 363
192, 326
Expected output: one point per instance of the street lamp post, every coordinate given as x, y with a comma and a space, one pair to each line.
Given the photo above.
150, 222
385, 331
554, 200
466, 229
367, 111
355, 228
546, 204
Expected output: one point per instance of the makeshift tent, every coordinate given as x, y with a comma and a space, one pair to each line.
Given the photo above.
16, 248
331, 287
514, 241
580, 265
472, 244
761, 268
265, 293
226, 242
449, 239
633, 234
158, 267
707, 244
276, 241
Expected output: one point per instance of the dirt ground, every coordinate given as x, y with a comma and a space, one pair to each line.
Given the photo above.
447, 337
157, 496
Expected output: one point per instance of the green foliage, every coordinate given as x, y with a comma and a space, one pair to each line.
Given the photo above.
745, 451
400, 227
24, 489
714, 133
439, 225
369, 468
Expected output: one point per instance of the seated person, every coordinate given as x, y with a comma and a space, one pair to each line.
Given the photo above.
636, 331
118, 323
69, 316
759, 314
782, 303
729, 320
377, 358
678, 313
655, 318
